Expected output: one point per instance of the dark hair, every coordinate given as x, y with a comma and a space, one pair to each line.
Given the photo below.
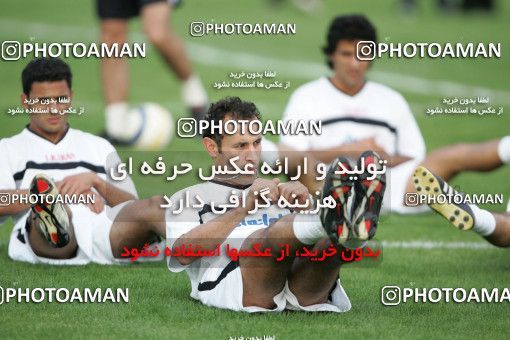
348, 27
233, 106
45, 69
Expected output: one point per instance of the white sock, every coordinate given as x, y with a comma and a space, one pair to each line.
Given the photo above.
485, 223
116, 114
121, 123
308, 228
504, 149
193, 92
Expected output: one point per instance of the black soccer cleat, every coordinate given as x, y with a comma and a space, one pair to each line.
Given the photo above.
49, 213
335, 221
368, 195
426, 183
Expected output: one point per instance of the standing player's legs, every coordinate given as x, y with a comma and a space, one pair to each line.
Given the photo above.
449, 161
114, 71
114, 16
137, 223
155, 20
115, 78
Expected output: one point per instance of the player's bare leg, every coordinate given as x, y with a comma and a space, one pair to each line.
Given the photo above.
263, 278
501, 235
155, 20
350, 230
114, 71
115, 79
137, 223
449, 161
308, 279
494, 227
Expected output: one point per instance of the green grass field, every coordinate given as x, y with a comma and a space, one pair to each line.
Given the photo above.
159, 304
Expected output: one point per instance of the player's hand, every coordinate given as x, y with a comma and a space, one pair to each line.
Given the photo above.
259, 185
98, 204
77, 184
293, 192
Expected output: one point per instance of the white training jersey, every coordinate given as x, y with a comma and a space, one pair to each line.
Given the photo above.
27, 154
213, 192
376, 111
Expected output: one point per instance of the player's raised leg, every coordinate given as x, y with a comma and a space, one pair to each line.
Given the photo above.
346, 229
264, 278
494, 227
449, 161
137, 223
310, 282
115, 77
501, 235
50, 231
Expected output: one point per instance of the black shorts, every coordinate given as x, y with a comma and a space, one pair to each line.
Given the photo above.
125, 9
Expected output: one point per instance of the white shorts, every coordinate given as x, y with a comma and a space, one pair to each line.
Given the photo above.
92, 233
222, 287
394, 195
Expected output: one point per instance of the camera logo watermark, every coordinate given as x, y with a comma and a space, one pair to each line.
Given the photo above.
390, 295
413, 199
200, 28
394, 295
369, 50
5, 199
15, 50
190, 127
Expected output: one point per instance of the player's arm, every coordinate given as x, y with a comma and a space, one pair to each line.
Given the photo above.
112, 194
295, 159
209, 234
81, 183
215, 231
13, 206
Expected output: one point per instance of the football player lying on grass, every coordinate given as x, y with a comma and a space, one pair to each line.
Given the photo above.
261, 284
358, 114
47, 230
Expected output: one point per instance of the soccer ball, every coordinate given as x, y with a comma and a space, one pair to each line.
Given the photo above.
156, 126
